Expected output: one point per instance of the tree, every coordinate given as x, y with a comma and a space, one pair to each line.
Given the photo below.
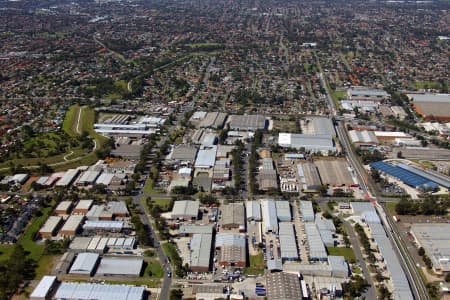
421, 251
176, 294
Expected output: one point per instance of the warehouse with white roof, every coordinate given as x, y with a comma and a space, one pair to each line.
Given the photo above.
307, 211
185, 210
288, 243
253, 209
206, 158
89, 291
316, 248
269, 212
44, 288
283, 211
120, 266
310, 142
200, 252
84, 264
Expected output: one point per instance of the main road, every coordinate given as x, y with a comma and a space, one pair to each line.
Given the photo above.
416, 283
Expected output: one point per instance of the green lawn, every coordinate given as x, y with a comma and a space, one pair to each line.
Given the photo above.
163, 203
256, 265
391, 208
148, 188
338, 95
156, 268
71, 120
170, 250
342, 251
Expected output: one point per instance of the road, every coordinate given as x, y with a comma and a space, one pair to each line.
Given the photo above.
416, 283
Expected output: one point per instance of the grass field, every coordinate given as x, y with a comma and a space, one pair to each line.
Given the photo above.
342, 251
170, 251
338, 95
148, 188
163, 203
71, 120
426, 85
155, 268
285, 126
256, 265
391, 208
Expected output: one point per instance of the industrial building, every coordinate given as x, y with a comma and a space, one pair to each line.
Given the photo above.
94, 244
72, 226
206, 158
269, 212
200, 252
137, 130
363, 138
110, 211
434, 238
337, 267
84, 264
432, 106
247, 122
413, 177
185, 210
99, 227
283, 211
121, 243
214, 120
288, 242
367, 94
326, 229
63, 208
87, 178
120, 266
316, 248
50, 227
309, 177
306, 211
283, 286
389, 137
267, 175
253, 209
233, 216
82, 207
89, 291
309, 142
44, 288
318, 125
183, 153
68, 178
191, 229
233, 250
398, 277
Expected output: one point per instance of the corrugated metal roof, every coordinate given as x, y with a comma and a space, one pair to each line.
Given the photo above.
185, 208
306, 210
269, 212
84, 263
200, 250
283, 211
88, 291
120, 266
316, 247
72, 223
116, 225
288, 242
402, 174
206, 157
229, 239
253, 210
43, 287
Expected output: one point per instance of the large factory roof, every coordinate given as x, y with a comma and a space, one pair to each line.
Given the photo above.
229, 239
287, 241
269, 212
310, 142
206, 158
316, 247
201, 250
120, 266
283, 211
88, 291
247, 122
84, 263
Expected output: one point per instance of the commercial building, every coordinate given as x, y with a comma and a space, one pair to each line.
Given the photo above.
89, 291
50, 227
233, 216
267, 175
389, 137
120, 266
434, 238
213, 120
269, 212
84, 264
363, 138
247, 122
283, 286
82, 207
288, 242
72, 226
306, 211
283, 211
200, 252
63, 208
253, 209
44, 288
432, 106
309, 142
185, 210
326, 229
